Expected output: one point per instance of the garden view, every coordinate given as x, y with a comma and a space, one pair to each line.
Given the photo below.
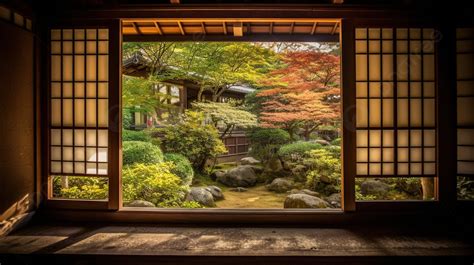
233, 125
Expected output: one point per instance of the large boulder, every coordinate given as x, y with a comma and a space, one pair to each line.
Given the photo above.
305, 191
201, 195
374, 187
215, 174
280, 185
140, 203
334, 200
304, 201
273, 165
216, 192
241, 176
249, 161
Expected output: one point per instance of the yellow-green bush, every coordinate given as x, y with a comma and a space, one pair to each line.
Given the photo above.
154, 183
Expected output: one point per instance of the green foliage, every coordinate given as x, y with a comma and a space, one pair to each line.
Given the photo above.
141, 152
337, 141
361, 197
324, 175
265, 142
127, 118
89, 188
154, 183
297, 150
226, 116
129, 135
181, 167
191, 205
193, 139
465, 188
139, 95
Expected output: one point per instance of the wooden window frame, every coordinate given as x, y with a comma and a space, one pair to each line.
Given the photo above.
113, 201
365, 210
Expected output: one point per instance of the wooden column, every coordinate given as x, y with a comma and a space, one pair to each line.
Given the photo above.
348, 110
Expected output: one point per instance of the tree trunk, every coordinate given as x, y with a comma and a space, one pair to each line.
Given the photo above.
199, 95
427, 185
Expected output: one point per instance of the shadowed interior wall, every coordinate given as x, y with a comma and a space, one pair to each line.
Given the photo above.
16, 121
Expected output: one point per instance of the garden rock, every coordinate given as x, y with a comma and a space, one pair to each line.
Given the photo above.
304, 201
257, 169
201, 195
322, 142
216, 192
374, 187
273, 165
214, 175
140, 203
241, 176
280, 185
249, 161
305, 191
239, 189
334, 199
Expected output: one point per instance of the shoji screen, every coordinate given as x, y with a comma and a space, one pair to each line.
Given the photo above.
395, 109
465, 112
79, 105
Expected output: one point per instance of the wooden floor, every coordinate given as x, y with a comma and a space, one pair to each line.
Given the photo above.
153, 244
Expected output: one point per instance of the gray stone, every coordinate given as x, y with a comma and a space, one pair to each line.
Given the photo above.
216, 192
239, 189
280, 185
257, 169
216, 174
201, 195
273, 165
241, 176
374, 187
305, 191
140, 203
304, 201
249, 161
334, 199
322, 142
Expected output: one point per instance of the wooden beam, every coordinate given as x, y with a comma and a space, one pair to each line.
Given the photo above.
313, 30
254, 37
334, 29
135, 27
175, 2
203, 28
292, 27
181, 28
271, 28
233, 20
224, 27
238, 29
158, 28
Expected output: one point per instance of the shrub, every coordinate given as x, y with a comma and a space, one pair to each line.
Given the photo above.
465, 187
193, 139
182, 167
90, 188
154, 183
297, 150
141, 152
325, 171
127, 120
337, 141
129, 135
265, 142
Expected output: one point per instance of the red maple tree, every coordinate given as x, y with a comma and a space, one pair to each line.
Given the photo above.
302, 95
